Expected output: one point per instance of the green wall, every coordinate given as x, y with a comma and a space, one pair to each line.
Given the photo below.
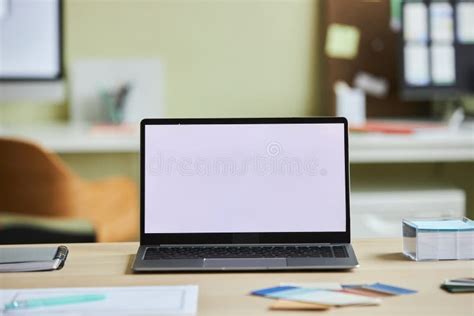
221, 57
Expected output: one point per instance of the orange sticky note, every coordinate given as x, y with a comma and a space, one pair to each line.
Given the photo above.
291, 305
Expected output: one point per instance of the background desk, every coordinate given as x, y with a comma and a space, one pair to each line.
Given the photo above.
227, 293
429, 146
393, 176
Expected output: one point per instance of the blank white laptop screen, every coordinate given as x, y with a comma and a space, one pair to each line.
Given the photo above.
236, 178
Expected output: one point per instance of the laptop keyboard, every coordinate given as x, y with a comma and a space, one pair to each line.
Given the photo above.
246, 252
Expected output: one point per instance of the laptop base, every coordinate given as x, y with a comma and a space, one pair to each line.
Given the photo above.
243, 264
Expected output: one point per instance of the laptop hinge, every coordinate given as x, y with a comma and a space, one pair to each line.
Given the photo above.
242, 245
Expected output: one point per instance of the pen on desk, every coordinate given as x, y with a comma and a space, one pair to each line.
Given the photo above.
53, 301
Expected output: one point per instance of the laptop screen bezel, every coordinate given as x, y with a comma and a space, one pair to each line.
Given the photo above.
243, 238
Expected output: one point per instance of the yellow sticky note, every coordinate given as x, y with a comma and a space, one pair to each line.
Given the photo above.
342, 41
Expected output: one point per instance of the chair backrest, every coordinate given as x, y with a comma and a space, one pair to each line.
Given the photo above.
32, 180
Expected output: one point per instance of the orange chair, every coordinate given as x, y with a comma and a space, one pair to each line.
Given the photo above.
36, 182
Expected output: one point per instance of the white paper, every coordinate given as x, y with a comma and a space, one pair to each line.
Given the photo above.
445, 245
89, 77
3, 8
416, 64
337, 298
465, 22
465, 245
370, 84
415, 26
441, 22
325, 297
133, 300
350, 103
334, 286
443, 66
427, 246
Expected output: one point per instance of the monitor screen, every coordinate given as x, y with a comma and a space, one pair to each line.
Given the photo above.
243, 178
30, 39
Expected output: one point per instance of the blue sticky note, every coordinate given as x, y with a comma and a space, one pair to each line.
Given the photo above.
389, 289
272, 290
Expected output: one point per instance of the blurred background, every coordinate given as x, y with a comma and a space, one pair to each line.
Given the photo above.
76, 77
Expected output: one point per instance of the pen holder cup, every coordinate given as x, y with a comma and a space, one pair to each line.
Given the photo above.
113, 113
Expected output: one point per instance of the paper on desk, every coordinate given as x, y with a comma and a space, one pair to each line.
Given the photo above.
131, 300
324, 297
316, 285
283, 305
388, 289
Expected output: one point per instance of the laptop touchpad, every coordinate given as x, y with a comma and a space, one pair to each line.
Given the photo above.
244, 262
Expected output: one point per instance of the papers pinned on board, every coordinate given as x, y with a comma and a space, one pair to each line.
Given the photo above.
342, 41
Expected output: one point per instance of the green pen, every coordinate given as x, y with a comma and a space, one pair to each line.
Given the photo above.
53, 301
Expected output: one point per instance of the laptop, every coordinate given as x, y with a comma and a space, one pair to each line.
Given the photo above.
244, 194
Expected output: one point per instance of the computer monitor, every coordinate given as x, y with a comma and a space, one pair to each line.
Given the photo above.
436, 49
31, 50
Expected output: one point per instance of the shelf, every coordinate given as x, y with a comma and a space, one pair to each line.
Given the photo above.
68, 138
433, 146
430, 146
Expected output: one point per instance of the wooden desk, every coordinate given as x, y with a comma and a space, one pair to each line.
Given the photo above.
226, 293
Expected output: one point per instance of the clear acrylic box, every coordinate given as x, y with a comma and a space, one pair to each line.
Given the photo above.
438, 239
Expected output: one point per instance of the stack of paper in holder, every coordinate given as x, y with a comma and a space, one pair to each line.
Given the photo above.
438, 239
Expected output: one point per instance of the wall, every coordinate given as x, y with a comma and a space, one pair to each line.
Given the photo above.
221, 57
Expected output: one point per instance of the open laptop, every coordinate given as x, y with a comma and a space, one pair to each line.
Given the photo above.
244, 194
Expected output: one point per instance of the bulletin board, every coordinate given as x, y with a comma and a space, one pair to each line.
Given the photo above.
377, 54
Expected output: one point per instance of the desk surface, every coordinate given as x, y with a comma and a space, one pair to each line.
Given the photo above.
226, 293
430, 146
